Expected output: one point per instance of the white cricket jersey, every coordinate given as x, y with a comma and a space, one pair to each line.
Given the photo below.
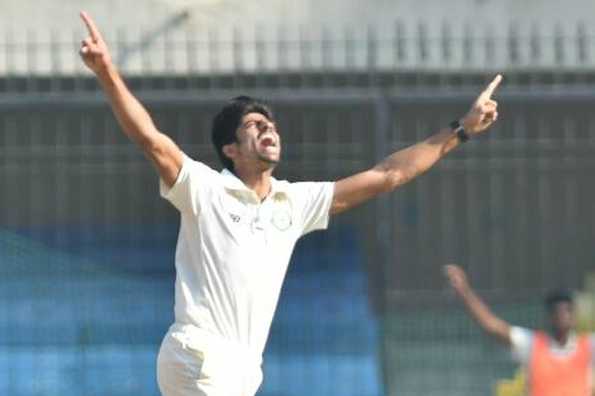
233, 250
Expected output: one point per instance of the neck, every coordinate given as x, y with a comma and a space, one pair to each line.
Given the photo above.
257, 181
561, 337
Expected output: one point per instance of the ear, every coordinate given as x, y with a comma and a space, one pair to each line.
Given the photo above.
230, 150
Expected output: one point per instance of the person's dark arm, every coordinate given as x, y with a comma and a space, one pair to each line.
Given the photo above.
478, 310
130, 113
406, 164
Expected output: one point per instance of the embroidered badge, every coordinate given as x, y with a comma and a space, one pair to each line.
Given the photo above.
281, 220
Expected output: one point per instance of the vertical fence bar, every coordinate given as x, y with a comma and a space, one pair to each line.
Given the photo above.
56, 67
473, 209
305, 55
446, 43
11, 49
349, 44
544, 194
582, 52
78, 65
467, 46
496, 173
571, 216
421, 194
372, 56
214, 52
326, 56
399, 45
514, 53
260, 67
238, 57
284, 56
582, 43
31, 51
192, 64
559, 52
535, 49
169, 61
382, 127
146, 58
423, 44
489, 43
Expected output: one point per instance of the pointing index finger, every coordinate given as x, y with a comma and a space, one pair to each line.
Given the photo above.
93, 31
489, 91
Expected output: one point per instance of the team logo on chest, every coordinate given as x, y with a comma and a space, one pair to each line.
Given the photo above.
235, 218
281, 219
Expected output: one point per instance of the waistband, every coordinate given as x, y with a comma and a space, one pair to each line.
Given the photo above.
209, 343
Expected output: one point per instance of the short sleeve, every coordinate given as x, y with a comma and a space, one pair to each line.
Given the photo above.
521, 341
592, 338
191, 186
314, 201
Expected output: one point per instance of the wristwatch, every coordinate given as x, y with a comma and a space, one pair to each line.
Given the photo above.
458, 128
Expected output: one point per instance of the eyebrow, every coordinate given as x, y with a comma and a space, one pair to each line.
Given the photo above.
256, 121
248, 122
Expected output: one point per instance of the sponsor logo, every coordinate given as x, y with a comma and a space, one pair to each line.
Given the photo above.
235, 218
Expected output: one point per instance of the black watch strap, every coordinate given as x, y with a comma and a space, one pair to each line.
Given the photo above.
459, 130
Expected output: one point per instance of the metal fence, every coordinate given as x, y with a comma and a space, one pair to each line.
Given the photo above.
86, 246
402, 46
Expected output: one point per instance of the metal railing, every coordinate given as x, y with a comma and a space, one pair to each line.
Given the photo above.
404, 46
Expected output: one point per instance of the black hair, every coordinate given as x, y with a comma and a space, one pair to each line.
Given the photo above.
555, 297
227, 122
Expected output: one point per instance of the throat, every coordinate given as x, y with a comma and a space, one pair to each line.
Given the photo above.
259, 182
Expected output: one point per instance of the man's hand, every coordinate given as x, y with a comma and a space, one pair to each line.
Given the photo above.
484, 111
94, 51
456, 277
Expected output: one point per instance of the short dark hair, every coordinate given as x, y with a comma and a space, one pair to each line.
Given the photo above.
555, 297
227, 122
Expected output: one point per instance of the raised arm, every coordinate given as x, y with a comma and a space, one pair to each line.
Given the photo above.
132, 116
482, 314
406, 164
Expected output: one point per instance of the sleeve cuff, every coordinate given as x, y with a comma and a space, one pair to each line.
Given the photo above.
327, 206
166, 191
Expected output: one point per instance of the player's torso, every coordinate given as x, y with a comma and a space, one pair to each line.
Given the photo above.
240, 252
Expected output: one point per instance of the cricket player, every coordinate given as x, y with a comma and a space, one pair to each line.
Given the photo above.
558, 362
239, 226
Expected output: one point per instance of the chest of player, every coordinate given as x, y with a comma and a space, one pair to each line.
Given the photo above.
250, 222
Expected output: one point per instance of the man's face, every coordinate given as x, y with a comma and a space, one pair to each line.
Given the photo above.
562, 317
258, 142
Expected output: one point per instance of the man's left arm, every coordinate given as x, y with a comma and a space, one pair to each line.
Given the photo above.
406, 164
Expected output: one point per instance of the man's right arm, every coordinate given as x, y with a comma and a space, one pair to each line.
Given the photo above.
482, 314
130, 113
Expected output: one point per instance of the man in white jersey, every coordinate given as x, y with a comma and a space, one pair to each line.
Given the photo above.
238, 227
558, 362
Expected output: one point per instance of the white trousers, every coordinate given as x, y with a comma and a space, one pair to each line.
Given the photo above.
192, 362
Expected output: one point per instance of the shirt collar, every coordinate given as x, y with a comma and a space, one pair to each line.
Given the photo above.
235, 186
570, 343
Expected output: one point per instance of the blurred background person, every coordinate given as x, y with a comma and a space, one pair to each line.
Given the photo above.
558, 361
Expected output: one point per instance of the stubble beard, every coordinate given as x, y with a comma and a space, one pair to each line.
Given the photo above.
267, 160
